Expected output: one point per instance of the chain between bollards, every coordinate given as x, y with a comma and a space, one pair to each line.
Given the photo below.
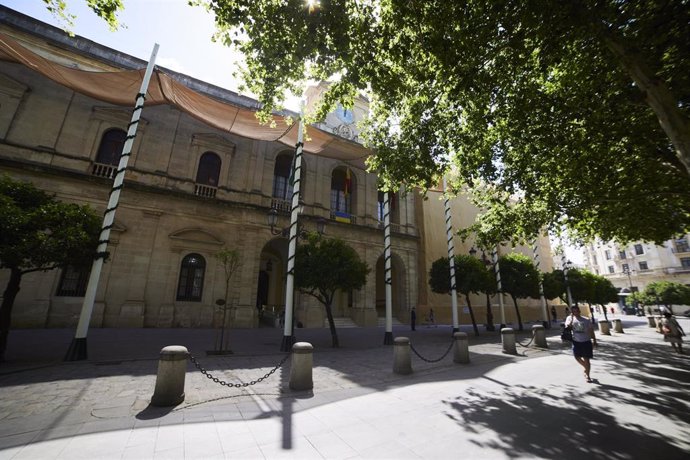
433, 360
236, 385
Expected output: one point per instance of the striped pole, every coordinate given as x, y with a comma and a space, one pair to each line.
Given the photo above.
565, 277
451, 259
537, 262
78, 350
499, 286
288, 336
388, 336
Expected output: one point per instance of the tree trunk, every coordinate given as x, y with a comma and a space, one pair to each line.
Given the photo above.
517, 312
474, 322
489, 315
657, 95
8, 297
331, 324
606, 316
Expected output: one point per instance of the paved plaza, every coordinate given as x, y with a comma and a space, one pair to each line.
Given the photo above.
535, 404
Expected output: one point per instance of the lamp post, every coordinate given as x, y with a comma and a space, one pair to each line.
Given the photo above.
566, 266
626, 271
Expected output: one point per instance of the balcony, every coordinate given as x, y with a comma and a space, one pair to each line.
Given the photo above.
103, 170
280, 205
343, 217
205, 191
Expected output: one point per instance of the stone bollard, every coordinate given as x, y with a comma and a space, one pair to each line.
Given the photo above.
172, 367
301, 368
651, 322
539, 334
618, 326
604, 327
508, 339
461, 352
402, 361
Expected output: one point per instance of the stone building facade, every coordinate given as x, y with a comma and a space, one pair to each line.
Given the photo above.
191, 190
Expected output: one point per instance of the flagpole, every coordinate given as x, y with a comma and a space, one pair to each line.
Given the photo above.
78, 350
451, 260
288, 331
388, 336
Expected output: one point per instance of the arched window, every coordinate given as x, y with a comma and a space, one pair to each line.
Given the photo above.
394, 213
341, 195
209, 169
191, 281
111, 146
282, 172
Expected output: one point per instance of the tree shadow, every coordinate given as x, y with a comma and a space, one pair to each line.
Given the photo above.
523, 420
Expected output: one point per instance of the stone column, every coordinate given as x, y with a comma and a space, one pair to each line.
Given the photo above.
302, 365
461, 352
402, 361
604, 327
539, 334
508, 340
172, 367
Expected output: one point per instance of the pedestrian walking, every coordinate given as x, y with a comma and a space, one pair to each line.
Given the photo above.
673, 333
413, 318
584, 339
432, 320
553, 314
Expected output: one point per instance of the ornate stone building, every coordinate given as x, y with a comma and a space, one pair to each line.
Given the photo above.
192, 187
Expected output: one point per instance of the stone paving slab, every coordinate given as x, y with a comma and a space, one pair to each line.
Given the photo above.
532, 405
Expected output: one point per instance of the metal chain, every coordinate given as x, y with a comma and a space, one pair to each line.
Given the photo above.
530, 341
236, 385
433, 360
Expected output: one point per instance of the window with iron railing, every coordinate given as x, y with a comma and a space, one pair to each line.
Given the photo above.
191, 282
109, 153
73, 281
681, 245
207, 175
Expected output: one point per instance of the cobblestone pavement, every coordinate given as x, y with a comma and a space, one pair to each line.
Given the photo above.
531, 405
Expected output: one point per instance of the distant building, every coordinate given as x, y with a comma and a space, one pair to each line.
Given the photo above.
632, 267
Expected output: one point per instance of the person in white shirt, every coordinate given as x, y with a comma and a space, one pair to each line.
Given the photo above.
584, 339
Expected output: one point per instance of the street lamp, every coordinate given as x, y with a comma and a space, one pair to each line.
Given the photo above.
567, 265
626, 271
272, 219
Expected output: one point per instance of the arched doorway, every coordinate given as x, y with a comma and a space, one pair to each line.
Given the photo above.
399, 288
270, 286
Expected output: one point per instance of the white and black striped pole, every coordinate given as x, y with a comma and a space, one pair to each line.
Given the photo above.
537, 262
451, 259
288, 331
78, 349
499, 287
388, 335
565, 278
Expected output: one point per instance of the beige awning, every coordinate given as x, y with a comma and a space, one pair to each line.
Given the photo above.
121, 87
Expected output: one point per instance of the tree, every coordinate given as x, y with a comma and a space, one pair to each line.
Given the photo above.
324, 266
668, 293
576, 110
581, 285
519, 279
554, 285
231, 262
471, 277
39, 233
105, 9
603, 292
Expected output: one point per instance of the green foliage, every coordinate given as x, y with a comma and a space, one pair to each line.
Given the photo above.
326, 265
603, 291
105, 9
39, 233
668, 293
547, 103
519, 279
554, 284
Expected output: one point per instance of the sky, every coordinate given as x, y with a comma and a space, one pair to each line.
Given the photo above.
184, 34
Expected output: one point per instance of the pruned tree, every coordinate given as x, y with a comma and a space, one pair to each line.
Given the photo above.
471, 277
324, 266
39, 233
519, 279
231, 261
668, 293
603, 292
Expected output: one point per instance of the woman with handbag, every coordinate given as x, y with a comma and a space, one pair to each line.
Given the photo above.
584, 339
673, 333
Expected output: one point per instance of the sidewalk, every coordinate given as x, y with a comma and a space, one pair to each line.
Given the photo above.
533, 405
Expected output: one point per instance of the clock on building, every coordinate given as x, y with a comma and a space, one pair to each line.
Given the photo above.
345, 115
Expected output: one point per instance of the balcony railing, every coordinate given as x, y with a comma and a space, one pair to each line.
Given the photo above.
280, 205
343, 217
103, 170
205, 191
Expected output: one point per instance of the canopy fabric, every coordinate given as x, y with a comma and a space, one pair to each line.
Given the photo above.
121, 87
